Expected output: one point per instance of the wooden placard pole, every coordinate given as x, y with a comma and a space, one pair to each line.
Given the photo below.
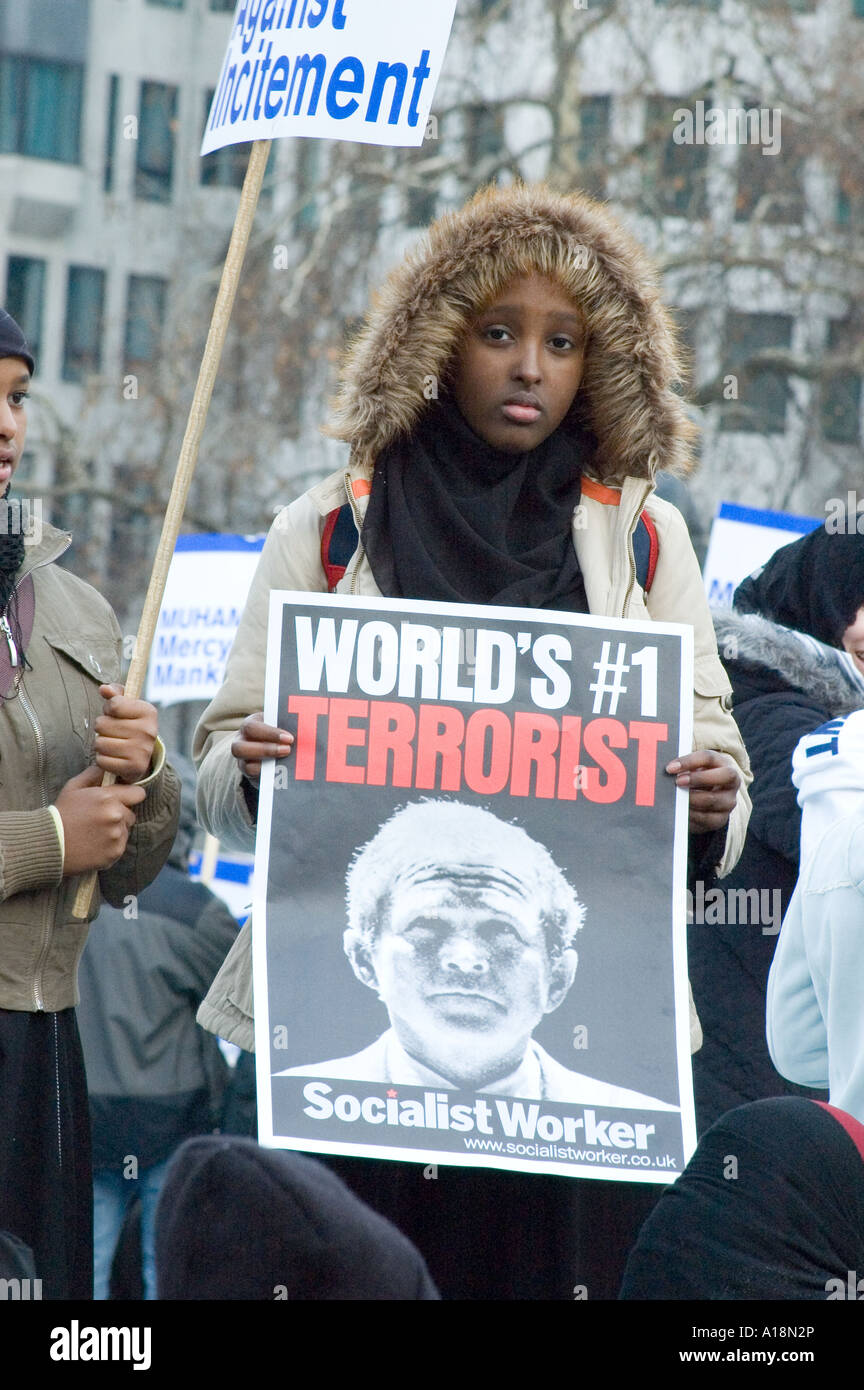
189, 452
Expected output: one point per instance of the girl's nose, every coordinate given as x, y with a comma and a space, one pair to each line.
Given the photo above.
8, 421
527, 368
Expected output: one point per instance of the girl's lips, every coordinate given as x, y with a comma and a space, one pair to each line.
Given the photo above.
522, 414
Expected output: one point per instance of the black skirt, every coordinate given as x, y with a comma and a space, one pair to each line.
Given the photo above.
46, 1192
491, 1235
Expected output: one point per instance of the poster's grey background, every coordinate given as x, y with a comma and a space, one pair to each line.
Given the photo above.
618, 858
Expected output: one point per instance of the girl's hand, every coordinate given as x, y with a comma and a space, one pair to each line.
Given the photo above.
125, 735
96, 820
256, 740
713, 781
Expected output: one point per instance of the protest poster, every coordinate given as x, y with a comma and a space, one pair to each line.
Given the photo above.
204, 596
470, 941
742, 539
357, 70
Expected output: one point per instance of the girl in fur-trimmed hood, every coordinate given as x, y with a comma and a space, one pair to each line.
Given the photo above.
416, 322
507, 403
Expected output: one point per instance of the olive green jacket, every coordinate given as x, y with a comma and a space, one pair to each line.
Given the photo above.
46, 737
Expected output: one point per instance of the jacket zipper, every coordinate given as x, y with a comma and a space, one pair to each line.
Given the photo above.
40, 749
57, 1094
46, 928
358, 522
10, 640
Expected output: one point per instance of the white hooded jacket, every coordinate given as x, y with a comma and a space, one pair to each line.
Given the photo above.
815, 1011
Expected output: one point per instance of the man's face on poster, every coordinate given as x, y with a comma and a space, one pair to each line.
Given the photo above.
462, 962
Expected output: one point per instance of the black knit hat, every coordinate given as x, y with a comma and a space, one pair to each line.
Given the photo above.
814, 585
12, 341
236, 1221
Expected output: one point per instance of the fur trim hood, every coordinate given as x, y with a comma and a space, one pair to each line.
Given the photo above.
417, 318
824, 673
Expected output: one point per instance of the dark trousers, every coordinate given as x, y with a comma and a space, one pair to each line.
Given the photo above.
46, 1193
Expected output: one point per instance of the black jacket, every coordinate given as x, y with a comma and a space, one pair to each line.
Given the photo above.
154, 1077
783, 688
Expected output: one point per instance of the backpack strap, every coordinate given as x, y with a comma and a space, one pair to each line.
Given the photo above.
646, 543
646, 549
338, 544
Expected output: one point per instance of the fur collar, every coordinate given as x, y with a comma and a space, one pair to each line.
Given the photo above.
417, 318
825, 673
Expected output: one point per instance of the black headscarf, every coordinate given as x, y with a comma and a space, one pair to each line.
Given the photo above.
770, 1206
815, 584
453, 519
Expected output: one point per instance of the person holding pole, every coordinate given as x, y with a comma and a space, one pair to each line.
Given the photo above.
508, 404
64, 722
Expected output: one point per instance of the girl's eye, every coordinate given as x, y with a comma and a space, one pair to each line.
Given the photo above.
497, 334
562, 341
19, 397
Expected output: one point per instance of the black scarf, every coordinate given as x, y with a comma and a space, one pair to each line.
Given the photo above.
12, 549
453, 519
12, 553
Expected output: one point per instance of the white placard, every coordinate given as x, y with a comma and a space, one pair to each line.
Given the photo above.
361, 70
742, 539
204, 597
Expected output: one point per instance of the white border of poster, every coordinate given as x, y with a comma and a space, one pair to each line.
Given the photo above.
555, 1133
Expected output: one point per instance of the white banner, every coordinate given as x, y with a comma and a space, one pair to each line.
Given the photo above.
742, 539
204, 597
361, 70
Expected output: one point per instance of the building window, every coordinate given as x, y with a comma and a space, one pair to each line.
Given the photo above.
849, 211
849, 208
760, 403
421, 195
858, 8
25, 289
222, 6
145, 315
40, 108
111, 133
484, 142
675, 172
154, 164
225, 168
85, 303
308, 174
168, 4
770, 186
594, 143
841, 393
